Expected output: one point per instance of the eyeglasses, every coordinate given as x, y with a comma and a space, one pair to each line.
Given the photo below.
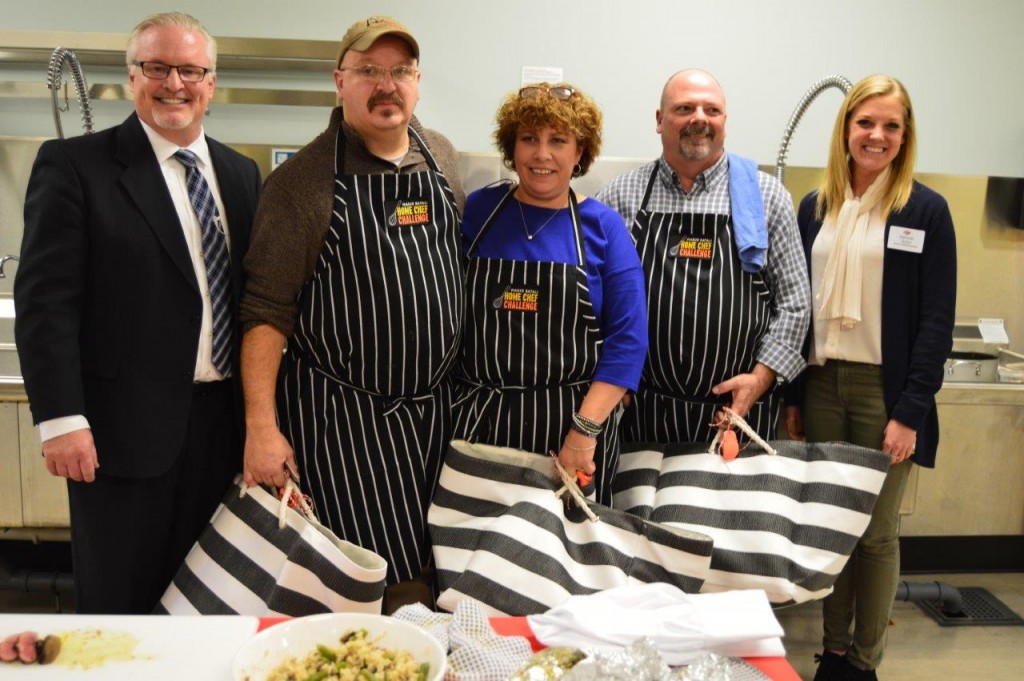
562, 92
160, 71
375, 73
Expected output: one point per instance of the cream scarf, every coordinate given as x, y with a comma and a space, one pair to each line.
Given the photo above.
840, 294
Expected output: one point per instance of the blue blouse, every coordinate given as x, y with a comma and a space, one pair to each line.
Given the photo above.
614, 273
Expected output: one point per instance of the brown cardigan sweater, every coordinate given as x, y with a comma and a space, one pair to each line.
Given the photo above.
295, 212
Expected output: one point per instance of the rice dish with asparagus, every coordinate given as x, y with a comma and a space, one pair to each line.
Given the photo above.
356, 657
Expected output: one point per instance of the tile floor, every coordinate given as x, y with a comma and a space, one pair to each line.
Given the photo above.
918, 648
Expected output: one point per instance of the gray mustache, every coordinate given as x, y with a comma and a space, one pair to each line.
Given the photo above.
697, 129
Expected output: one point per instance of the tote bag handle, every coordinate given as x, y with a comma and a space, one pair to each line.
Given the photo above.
287, 493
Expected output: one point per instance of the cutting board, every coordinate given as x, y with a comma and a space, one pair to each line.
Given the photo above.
169, 648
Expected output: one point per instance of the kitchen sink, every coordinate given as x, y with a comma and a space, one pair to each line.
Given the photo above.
971, 367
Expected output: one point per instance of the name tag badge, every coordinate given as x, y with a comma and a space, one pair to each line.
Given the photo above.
906, 239
408, 213
694, 247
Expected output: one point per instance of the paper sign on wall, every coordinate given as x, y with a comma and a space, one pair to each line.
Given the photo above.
542, 74
993, 330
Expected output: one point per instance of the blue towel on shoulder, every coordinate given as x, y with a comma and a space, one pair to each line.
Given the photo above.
748, 222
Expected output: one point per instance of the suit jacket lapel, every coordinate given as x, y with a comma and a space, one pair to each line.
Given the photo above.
146, 186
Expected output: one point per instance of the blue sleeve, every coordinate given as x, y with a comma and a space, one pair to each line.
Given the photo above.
623, 311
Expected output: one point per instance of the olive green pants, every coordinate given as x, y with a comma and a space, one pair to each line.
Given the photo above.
845, 402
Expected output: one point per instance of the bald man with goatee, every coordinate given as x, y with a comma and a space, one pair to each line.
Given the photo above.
728, 294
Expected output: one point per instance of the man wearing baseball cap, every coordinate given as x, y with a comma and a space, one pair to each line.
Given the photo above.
355, 263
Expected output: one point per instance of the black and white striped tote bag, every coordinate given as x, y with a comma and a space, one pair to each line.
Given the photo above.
502, 537
786, 523
260, 557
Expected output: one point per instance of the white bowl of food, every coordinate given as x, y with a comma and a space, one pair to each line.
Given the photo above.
342, 644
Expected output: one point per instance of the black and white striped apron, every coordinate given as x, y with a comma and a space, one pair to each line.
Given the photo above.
367, 397
530, 352
706, 316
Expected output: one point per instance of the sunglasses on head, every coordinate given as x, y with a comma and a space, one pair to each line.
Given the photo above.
562, 92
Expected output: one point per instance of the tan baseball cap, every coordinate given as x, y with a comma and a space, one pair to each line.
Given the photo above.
362, 34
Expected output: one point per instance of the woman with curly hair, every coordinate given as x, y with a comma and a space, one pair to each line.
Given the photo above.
556, 330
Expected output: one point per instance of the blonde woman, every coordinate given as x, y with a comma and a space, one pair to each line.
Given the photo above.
881, 252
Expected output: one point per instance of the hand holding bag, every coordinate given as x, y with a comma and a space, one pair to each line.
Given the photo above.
260, 557
786, 524
502, 537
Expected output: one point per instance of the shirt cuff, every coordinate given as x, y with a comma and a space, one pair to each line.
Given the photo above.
61, 426
787, 364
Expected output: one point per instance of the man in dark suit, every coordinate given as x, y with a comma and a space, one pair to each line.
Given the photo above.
125, 320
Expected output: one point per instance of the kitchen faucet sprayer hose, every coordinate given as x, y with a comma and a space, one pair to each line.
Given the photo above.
805, 101
54, 72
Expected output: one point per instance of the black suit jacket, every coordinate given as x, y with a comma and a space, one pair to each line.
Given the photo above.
108, 306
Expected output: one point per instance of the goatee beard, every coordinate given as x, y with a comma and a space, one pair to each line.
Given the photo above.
695, 142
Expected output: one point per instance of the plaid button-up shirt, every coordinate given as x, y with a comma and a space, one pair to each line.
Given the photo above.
785, 267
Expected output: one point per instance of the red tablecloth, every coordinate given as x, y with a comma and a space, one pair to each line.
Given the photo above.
776, 668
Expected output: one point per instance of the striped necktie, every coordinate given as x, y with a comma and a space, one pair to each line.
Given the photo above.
215, 256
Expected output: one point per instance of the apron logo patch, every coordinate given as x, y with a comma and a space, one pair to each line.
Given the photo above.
408, 213
518, 299
698, 248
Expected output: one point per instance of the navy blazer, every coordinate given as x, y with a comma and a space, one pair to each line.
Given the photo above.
108, 305
918, 311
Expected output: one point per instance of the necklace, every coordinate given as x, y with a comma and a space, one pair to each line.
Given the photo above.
529, 237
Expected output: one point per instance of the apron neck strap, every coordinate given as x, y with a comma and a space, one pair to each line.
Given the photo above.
341, 142
574, 213
577, 228
486, 227
650, 187
423, 149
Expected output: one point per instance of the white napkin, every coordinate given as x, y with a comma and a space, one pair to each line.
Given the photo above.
682, 626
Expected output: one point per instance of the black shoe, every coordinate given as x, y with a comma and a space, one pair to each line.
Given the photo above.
831, 667
855, 674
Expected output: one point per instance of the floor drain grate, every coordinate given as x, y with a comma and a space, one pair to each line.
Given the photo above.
981, 608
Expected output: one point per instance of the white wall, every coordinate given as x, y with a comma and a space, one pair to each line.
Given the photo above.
963, 63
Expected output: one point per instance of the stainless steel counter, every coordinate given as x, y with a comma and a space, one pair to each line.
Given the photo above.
1010, 394
981, 456
12, 389
977, 485
11, 385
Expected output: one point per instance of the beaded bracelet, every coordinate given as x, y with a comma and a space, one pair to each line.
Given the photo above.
580, 430
586, 426
580, 449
